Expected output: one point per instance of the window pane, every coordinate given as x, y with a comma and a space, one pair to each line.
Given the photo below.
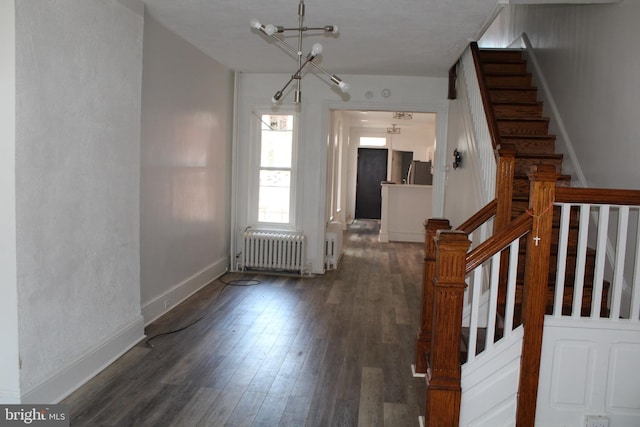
276, 141
273, 199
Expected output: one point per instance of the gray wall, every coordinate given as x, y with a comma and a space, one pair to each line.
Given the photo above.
77, 199
187, 106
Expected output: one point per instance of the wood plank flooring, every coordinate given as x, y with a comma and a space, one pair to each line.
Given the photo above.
332, 350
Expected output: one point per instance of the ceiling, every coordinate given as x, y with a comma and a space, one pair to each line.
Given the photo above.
376, 37
384, 119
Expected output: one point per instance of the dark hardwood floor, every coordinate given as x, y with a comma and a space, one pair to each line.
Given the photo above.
332, 350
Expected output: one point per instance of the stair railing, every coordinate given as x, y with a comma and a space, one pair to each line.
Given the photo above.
498, 209
431, 227
453, 263
599, 217
485, 96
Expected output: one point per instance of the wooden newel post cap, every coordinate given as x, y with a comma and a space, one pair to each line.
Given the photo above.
436, 223
545, 173
452, 238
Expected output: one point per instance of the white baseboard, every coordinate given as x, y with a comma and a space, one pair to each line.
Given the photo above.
161, 304
416, 374
67, 380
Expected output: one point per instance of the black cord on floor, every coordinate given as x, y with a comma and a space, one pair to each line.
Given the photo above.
235, 282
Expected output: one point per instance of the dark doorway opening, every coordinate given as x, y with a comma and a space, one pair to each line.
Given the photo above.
372, 170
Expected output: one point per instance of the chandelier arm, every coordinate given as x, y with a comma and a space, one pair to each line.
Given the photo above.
334, 79
284, 43
282, 29
295, 76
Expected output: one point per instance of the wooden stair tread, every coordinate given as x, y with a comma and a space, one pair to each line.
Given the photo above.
537, 143
517, 102
534, 137
513, 88
501, 68
500, 55
523, 119
525, 155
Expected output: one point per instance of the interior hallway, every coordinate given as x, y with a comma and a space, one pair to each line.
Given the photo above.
332, 350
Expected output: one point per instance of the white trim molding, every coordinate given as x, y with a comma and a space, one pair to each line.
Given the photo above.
163, 303
70, 378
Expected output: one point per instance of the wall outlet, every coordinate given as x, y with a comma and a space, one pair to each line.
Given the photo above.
166, 303
596, 421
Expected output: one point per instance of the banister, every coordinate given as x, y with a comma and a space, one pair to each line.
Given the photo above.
479, 218
499, 241
605, 196
486, 97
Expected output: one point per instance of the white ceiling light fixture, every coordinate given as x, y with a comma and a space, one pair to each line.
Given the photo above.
402, 115
273, 31
393, 129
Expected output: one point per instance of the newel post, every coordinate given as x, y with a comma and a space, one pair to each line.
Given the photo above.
443, 388
505, 173
536, 280
423, 339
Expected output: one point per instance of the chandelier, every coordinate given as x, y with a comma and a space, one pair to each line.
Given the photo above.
273, 31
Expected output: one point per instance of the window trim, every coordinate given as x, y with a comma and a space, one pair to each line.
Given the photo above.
256, 167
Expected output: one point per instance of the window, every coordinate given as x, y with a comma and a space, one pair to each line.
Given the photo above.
275, 181
372, 141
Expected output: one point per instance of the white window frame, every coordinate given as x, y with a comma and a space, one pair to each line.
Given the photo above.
254, 173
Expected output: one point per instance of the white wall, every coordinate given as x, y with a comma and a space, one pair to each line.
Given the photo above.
462, 191
588, 55
418, 140
465, 191
79, 66
187, 103
9, 372
407, 94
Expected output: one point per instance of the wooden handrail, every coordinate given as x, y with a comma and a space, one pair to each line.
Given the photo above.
499, 241
486, 97
604, 196
479, 218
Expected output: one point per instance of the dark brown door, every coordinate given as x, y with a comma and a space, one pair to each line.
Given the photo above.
372, 169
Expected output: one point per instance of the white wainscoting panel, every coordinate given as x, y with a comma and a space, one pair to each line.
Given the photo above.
624, 380
589, 367
575, 360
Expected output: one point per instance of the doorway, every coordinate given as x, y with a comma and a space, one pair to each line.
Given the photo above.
350, 130
372, 170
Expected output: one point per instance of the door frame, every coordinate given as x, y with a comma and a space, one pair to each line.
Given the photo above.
440, 165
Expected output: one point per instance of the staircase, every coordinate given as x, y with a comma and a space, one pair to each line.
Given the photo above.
483, 310
520, 124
